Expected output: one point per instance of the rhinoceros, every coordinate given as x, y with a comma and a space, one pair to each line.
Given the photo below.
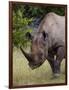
48, 43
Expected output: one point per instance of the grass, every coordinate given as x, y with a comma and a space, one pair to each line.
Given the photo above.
23, 75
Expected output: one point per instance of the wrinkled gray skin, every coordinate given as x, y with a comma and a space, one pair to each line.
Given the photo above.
48, 43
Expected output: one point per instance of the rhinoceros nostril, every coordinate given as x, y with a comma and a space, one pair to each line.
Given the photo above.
40, 54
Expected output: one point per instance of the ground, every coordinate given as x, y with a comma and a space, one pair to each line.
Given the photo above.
23, 75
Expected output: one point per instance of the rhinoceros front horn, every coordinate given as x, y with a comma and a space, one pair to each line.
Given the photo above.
28, 56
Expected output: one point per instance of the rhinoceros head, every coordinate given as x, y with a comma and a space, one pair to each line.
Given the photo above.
39, 49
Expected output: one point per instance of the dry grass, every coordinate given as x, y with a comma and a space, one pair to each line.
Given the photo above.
23, 75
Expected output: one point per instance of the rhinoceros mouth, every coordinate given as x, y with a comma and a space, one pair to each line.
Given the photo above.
34, 66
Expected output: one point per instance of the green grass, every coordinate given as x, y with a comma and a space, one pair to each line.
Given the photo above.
23, 75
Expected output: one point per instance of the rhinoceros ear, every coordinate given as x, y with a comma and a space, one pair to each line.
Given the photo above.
45, 35
28, 35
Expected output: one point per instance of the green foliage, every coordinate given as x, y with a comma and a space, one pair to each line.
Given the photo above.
20, 27
38, 11
20, 39
23, 15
